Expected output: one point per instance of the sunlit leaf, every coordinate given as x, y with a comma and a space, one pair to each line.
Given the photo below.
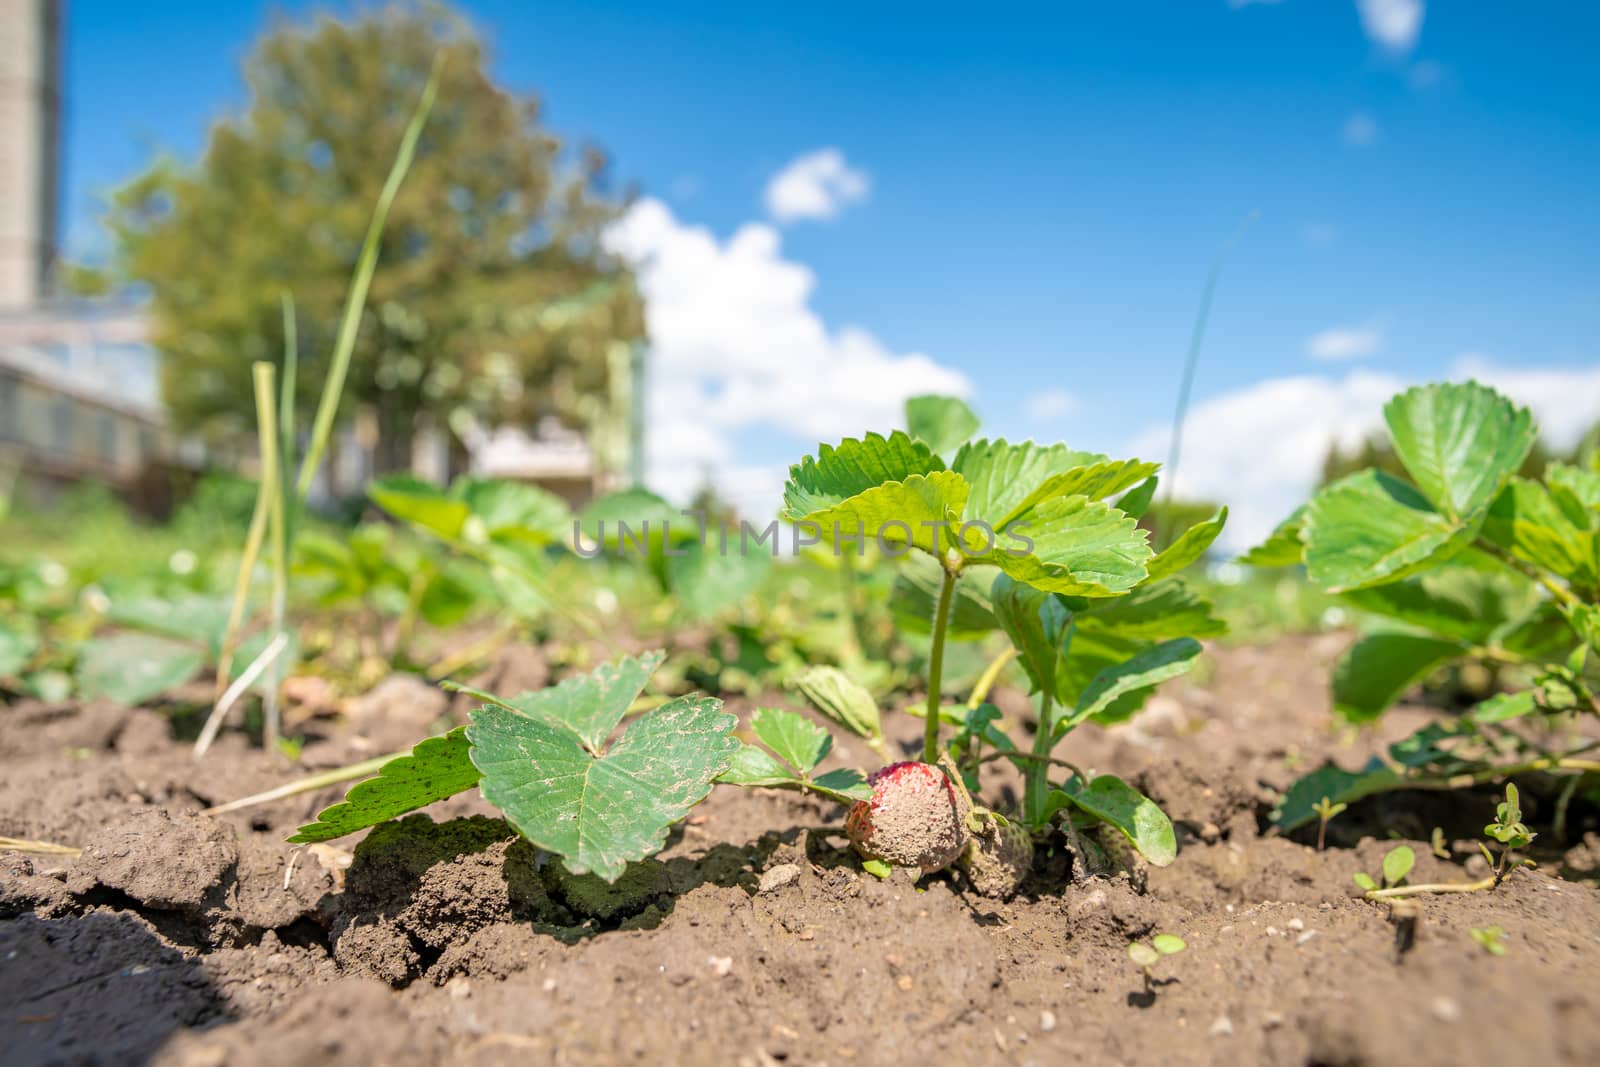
436, 768
1459, 442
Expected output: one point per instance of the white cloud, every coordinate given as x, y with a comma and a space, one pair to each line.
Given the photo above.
1394, 24
737, 349
1360, 129
1259, 449
816, 185
1050, 404
1344, 342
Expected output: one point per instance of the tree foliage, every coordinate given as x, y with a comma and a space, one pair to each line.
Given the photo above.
492, 294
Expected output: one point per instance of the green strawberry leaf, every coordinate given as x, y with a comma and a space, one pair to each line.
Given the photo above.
842, 699
1369, 528
1143, 671
420, 503
1527, 521
1503, 707
1283, 547
853, 467
1459, 443
943, 423
16, 649
186, 617
1076, 546
1096, 481
708, 582
1378, 669
600, 808
1190, 546
846, 785
798, 741
914, 512
1578, 490
1136, 501
590, 705
131, 668
1002, 475
1035, 622
1111, 800
1153, 612
754, 766
506, 510
437, 767
1298, 807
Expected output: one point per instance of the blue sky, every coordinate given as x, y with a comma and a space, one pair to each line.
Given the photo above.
1030, 201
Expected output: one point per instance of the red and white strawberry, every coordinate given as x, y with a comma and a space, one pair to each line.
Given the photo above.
916, 818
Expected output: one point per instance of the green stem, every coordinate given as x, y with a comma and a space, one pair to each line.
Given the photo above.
990, 675
1036, 778
941, 620
1435, 887
272, 473
356, 301
364, 769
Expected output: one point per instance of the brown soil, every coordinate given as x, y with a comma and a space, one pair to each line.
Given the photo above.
180, 939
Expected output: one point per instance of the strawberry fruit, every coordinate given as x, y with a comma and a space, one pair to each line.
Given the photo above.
916, 818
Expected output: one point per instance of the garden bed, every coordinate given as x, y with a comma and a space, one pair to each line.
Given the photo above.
756, 937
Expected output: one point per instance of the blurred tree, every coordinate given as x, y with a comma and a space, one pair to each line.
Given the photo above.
492, 293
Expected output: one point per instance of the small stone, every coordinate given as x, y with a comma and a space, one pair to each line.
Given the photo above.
1296, 924
721, 966
1047, 1021
1273, 931
1272, 1020
549, 985
1445, 1009
1307, 936
778, 877
1223, 1027
904, 982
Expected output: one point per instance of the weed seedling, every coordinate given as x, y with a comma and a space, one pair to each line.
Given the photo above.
1491, 938
1397, 863
1147, 955
1510, 831
1507, 828
1325, 810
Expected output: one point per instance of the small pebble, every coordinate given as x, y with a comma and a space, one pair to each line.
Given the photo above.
1223, 1027
778, 877
1296, 924
904, 982
1047, 1021
1445, 1009
1272, 1020
1307, 936
1272, 931
721, 966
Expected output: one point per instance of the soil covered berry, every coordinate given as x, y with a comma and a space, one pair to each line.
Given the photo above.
916, 818
998, 856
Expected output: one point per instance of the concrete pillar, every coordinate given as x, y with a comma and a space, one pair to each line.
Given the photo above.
30, 143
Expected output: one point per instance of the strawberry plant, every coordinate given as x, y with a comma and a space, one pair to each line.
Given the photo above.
1467, 562
1024, 539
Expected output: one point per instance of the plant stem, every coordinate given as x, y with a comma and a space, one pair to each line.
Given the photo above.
1036, 779
272, 474
241, 589
1031, 757
990, 675
310, 783
355, 302
1435, 887
941, 620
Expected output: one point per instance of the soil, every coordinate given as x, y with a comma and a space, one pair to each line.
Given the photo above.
177, 938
